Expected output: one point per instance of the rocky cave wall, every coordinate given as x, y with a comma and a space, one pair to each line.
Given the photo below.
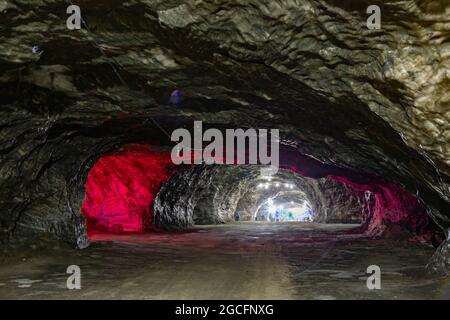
338, 203
207, 194
391, 211
121, 188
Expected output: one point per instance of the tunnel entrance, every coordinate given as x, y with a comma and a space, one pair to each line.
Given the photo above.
283, 201
281, 211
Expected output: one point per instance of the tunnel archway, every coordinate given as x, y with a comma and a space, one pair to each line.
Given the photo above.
218, 192
136, 188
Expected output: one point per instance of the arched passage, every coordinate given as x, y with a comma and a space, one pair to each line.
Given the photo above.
217, 193
137, 188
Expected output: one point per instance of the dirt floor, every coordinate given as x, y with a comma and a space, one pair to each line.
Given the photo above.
235, 261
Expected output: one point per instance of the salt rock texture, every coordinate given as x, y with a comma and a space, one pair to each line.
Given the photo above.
121, 188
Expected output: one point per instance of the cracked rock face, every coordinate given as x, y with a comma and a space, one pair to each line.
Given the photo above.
440, 262
401, 71
371, 102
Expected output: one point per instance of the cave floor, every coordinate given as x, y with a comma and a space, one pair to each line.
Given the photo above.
234, 261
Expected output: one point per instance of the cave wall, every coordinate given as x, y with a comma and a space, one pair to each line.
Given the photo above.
121, 188
206, 193
391, 211
43, 186
335, 202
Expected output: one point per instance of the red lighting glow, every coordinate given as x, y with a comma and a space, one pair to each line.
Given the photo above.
392, 206
121, 188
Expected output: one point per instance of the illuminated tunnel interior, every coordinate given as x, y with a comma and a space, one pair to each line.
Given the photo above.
137, 189
104, 131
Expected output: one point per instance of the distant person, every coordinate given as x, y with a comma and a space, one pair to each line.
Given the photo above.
237, 216
290, 216
309, 215
277, 216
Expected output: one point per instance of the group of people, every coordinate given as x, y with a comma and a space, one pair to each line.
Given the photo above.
285, 215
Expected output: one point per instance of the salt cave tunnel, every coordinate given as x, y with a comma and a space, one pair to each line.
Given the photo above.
364, 174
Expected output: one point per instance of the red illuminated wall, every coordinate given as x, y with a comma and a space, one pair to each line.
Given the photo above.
394, 210
121, 188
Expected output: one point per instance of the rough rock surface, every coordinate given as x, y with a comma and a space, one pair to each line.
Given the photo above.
374, 102
202, 195
339, 203
440, 262
121, 188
